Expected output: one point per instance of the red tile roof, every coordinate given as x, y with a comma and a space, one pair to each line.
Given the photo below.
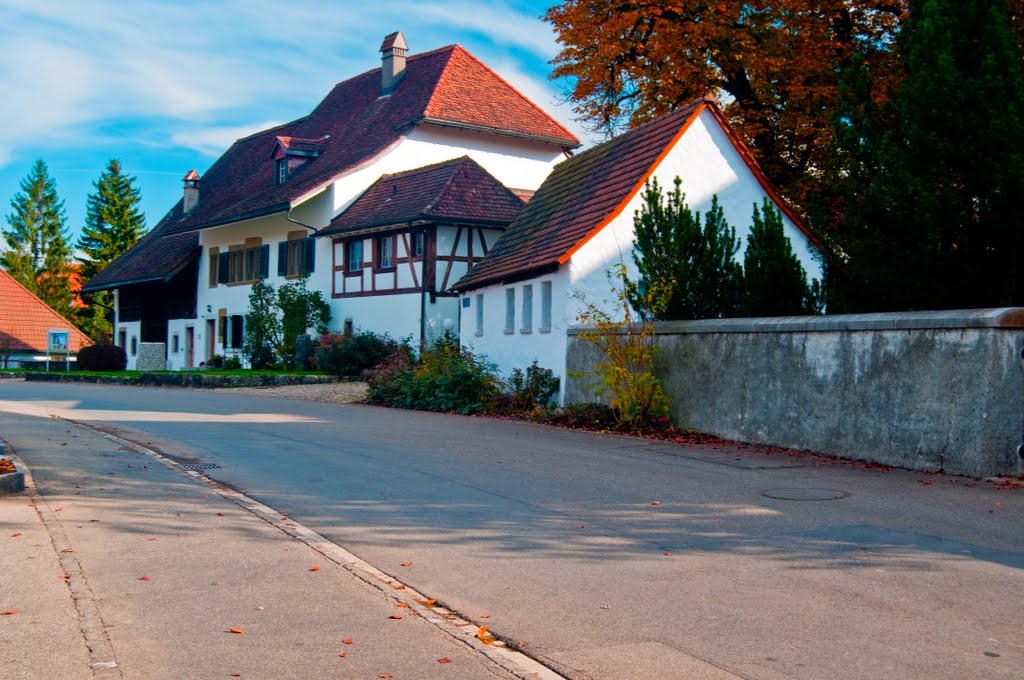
458, 190
25, 319
585, 193
447, 86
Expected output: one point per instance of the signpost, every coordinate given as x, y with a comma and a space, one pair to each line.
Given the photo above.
58, 340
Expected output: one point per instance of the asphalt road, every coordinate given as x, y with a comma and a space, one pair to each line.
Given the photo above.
610, 557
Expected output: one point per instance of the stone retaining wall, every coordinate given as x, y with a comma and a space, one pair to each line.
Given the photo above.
925, 390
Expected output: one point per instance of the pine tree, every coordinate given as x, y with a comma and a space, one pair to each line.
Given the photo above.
113, 224
113, 221
775, 283
696, 265
38, 254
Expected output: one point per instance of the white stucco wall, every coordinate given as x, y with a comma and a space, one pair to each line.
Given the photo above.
131, 329
708, 165
519, 349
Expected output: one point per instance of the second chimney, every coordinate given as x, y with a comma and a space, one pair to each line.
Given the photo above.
392, 70
191, 198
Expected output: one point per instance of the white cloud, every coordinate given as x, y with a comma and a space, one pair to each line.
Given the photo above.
193, 74
212, 141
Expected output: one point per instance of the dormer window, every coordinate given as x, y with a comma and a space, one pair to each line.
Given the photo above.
291, 153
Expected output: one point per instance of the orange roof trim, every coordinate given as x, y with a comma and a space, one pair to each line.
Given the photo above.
636, 188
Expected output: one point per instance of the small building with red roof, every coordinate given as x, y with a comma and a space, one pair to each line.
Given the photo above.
273, 206
519, 300
25, 323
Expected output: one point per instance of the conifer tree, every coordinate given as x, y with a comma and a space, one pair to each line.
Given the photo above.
113, 224
933, 182
774, 281
695, 264
113, 221
38, 254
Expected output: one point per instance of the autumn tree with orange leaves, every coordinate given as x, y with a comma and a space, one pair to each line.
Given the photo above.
774, 65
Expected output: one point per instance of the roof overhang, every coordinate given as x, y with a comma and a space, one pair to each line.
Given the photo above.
515, 277
186, 261
564, 143
241, 217
419, 220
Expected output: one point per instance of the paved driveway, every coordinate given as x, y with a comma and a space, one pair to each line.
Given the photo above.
610, 557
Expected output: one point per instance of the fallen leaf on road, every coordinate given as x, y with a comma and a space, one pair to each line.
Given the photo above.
348, 641
315, 569
57, 509
668, 553
402, 605
236, 631
429, 602
344, 655
406, 564
655, 502
395, 616
385, 675
236, 675
220, 514
486, 616
399, 587
481, 634
444, 660
16, 534
9, 612
145, 578
150, 539
66, 577
68, 550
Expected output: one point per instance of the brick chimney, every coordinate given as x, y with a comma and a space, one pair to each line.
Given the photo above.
191, 197
392, 70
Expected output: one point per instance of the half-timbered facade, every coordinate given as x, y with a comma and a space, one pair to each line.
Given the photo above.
398, 248
264, 209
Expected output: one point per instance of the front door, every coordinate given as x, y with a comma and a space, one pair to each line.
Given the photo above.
211, 342
190, 340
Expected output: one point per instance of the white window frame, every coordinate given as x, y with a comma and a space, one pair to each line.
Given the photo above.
526, 323
479, 314
545, 307
510, 311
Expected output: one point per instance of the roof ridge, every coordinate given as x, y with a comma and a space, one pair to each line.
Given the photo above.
441, 79
462, 50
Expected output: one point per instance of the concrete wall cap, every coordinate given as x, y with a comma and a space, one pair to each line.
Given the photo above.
1001, 317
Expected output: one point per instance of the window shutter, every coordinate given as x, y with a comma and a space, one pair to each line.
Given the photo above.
222, 268
308, 256
236, 331
264, 264
282, 258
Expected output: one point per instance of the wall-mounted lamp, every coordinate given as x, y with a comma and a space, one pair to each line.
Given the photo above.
209, 308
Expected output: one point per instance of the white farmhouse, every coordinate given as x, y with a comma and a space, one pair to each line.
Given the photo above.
273, 207
518, 302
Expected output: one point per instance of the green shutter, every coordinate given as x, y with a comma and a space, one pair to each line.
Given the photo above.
308, 256
264, 264
282, 258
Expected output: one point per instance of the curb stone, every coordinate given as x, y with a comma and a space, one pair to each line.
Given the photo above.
12, 482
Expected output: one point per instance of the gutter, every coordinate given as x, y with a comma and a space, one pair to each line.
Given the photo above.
496, 131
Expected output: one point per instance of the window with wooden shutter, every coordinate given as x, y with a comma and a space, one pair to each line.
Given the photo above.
264, 257
308, 255
223, 263
237, 330
282, 258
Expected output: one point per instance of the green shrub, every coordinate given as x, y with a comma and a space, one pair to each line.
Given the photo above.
444, 378
102, 358
530, 390
343, 355
232, 364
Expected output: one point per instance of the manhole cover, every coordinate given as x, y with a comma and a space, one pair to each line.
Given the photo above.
201, 466
805, 494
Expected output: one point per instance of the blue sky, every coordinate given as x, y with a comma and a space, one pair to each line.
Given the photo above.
167, 86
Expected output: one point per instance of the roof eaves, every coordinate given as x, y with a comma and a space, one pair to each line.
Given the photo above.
241, 217
504, 279
565, 143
